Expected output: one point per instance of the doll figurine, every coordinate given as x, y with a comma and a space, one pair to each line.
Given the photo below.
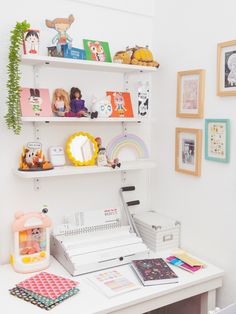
61, 25
102, 159
77, 107
60, 102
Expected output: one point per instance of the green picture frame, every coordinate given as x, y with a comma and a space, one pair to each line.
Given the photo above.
96, 50
217, 140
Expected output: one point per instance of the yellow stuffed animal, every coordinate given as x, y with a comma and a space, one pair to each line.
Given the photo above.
142, 56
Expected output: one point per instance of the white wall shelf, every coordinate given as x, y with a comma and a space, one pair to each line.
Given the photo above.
85, 64
72, 170
78, 120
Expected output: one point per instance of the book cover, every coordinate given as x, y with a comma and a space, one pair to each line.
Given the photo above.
35, 102
121, 104
177, 262
48, 285
112, 282
154, 271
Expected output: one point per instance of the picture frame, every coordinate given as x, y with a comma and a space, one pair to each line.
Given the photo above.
188, 151
96, 50
190, 94
35, 102
121, 104
217, 140
226, 68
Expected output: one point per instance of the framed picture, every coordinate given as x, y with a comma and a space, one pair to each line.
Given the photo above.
35, 102
97, 50
188, 150
121, 104
217, 139
226, 68
190, 94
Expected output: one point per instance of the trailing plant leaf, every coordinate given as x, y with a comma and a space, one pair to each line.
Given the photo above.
13, 116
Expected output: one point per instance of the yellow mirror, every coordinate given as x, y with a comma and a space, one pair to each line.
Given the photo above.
82, 149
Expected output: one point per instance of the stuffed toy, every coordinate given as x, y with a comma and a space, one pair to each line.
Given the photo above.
142, 56
101, 108
33, 159
123, 57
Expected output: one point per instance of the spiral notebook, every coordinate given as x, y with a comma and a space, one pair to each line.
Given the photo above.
94, 240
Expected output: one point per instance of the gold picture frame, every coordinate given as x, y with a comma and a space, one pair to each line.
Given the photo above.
190, 94
226, 68
188, 151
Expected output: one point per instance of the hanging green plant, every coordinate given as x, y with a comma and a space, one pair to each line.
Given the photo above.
13, 116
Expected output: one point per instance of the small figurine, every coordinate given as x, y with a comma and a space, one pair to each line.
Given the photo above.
77, 106
102, 159
60, 102
101, 108
61, 25
32, 158
31, 251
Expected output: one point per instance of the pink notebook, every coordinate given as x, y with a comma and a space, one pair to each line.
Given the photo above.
48, 285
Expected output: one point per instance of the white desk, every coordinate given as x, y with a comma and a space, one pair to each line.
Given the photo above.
91, 301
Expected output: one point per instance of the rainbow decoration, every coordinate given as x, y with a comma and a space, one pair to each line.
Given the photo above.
130, 140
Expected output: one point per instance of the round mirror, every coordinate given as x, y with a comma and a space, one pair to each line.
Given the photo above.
82, 149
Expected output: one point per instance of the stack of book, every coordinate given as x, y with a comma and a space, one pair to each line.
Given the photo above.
45, 290
183, 260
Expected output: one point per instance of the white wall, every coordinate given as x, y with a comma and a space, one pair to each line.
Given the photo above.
65, 194
186, 34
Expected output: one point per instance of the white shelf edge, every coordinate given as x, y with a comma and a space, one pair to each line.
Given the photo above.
72, 170
67, 119
85, 64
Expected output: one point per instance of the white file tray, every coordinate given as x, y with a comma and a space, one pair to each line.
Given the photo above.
95, 250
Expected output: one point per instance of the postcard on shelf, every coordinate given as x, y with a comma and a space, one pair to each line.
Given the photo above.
112, 282
121, 104
154, 271
35, 102
177, 262
97, 50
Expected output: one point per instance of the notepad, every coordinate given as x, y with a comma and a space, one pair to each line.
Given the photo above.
185, 257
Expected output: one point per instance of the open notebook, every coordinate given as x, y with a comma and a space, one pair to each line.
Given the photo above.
94, 240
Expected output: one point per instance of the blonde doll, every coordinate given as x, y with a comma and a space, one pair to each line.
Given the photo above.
60, 102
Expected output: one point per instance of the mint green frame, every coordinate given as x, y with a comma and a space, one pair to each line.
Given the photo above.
227, 147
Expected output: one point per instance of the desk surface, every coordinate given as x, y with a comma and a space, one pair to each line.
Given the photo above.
90, 301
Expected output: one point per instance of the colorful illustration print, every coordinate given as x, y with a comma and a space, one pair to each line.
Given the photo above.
121, 104
97, 50
35, 102
216, 139
190, 94
230, 69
